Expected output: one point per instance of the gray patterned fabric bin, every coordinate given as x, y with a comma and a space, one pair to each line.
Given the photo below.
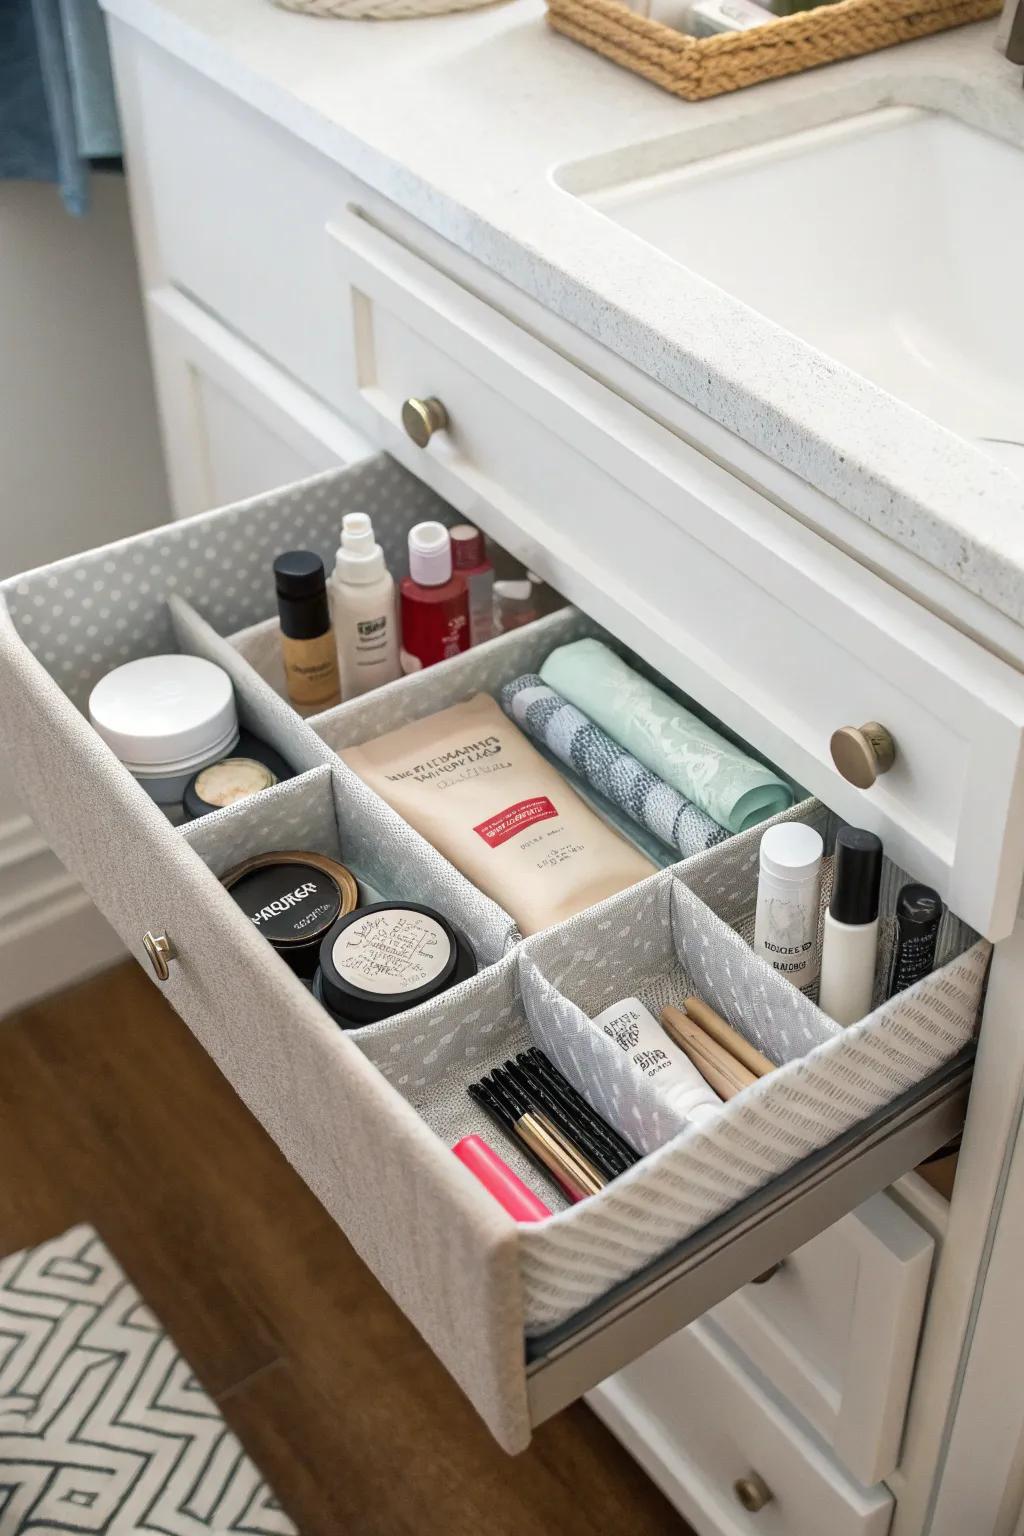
660, 941
368, 1118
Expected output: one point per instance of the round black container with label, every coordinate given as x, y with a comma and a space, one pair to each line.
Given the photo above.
388, 957
293, 899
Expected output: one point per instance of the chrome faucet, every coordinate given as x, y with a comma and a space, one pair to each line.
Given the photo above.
1012, 29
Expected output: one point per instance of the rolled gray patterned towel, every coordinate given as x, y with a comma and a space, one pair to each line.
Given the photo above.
600, 762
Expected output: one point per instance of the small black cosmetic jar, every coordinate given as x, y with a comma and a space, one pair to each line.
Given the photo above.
388, 957
293, 899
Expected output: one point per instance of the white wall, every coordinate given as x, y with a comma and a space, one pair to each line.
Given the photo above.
80, 464
80, 459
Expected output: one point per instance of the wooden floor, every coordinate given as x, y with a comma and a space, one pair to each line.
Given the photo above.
111, 1114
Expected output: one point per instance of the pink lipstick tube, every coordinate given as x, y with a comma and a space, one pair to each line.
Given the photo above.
499, 1180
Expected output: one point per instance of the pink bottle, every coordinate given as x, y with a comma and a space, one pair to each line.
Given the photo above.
469, 558
435, 603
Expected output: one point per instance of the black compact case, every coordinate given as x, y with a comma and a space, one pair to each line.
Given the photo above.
293, 900
387, 957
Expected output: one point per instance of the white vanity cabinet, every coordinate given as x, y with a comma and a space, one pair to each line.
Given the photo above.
233, 424
292, 312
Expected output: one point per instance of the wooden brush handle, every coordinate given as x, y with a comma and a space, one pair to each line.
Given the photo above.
715, 1064
714, 1025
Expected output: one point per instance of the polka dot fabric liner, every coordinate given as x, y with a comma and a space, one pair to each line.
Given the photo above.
88, 614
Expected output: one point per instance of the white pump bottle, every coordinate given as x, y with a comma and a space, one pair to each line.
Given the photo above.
364, 610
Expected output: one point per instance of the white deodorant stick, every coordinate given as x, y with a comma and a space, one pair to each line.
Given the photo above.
788, 898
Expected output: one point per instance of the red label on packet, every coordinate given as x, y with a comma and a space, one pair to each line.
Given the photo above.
498, 829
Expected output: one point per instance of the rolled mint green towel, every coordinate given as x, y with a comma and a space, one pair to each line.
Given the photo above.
734, 789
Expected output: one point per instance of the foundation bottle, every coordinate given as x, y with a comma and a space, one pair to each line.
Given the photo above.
307, 640
363, 601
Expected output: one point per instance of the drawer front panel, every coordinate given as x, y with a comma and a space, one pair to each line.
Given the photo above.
775, 632
835, 1330
702, 1427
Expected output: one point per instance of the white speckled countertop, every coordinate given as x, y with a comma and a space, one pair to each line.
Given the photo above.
460, 120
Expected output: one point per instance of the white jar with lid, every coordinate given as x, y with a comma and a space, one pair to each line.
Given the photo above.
166, 717
789, 900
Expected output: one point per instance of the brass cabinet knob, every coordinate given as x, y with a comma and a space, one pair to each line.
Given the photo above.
862, 752
753, 1492
422, 418
161, 952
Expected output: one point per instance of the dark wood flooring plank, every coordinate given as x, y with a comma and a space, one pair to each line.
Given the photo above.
110, 1113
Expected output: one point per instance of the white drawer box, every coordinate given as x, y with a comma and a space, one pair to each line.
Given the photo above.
525, 1319
835, 1331
701, 1428
774, 631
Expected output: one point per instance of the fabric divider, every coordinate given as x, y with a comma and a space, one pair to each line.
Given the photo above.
661, 941
260, 646
260, 710
296, 814
433, 1053
484, 669
328, 810
725, 879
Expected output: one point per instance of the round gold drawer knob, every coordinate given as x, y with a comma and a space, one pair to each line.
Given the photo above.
161, 952
862, 752
753, 1492
422, 418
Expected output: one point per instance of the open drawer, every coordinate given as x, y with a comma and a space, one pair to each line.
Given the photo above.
781, 636
526, 1319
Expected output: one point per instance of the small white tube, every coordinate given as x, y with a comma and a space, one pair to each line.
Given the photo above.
653, 1055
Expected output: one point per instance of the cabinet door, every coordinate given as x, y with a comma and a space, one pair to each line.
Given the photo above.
835, 1330
725, 1451
234, 426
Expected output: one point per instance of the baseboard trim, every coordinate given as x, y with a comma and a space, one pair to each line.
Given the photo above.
19, 842
51, 935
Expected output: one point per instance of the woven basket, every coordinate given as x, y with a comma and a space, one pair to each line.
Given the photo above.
696, 68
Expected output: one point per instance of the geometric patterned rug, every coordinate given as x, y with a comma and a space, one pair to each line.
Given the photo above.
103, 1427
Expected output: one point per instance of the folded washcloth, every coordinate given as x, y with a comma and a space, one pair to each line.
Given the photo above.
601, 763
733, 789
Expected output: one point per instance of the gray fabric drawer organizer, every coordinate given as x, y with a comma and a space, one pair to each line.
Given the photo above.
367, 1118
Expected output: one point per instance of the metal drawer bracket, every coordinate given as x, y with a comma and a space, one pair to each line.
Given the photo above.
774, 1221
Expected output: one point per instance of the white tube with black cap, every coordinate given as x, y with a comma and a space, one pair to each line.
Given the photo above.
849, 950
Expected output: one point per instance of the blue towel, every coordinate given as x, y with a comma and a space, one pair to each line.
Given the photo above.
599, 761
57, 109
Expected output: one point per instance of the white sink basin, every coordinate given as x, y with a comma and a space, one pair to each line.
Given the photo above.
892, 241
